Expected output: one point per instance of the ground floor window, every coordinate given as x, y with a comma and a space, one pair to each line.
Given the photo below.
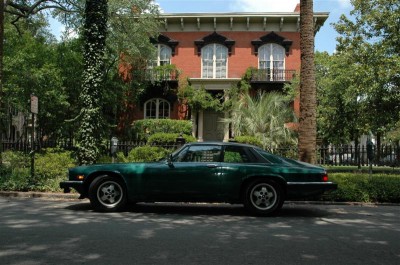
156, 108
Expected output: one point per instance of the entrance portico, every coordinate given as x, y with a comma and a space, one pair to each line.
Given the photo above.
208, 124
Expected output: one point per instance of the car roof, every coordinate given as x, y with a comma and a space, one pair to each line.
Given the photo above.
222, 143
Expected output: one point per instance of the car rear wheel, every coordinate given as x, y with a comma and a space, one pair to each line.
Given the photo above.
263, 197
107, 194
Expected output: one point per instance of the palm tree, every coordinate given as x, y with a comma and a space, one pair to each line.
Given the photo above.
264, 117
307, 120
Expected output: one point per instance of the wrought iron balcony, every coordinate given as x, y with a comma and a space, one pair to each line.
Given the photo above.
157, 75
272, 75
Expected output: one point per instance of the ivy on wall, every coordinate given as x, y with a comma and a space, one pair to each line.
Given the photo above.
90, 130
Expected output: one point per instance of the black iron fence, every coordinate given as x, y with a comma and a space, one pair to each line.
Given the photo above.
122, 146
387, 155
347, 155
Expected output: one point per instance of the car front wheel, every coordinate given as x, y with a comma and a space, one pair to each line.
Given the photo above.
107, 194
263, 197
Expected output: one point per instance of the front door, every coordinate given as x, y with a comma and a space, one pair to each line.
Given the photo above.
213, 127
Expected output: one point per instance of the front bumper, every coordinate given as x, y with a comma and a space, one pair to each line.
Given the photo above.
75, 184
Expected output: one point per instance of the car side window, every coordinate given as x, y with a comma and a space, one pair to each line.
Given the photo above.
235, 154
181, 155
203, 153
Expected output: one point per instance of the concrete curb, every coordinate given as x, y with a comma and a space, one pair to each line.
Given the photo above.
75, 196
33, 194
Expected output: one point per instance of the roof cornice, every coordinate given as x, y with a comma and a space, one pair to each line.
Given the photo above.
243, 21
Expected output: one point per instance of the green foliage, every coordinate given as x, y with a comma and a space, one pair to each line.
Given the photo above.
30, 66
200, 98
144, 154
263, 117
168, 138
365, 188
91, 125
132, 23
246, 139
142, 129
50, 168
365, 69
15, 171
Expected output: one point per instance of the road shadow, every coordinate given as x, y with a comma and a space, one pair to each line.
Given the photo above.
210, 209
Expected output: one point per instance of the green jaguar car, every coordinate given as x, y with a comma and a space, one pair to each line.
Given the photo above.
202, 172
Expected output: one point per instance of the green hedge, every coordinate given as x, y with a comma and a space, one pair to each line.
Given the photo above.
143, 128
168, 138
144, 154
245, 139
353, 187
50, 168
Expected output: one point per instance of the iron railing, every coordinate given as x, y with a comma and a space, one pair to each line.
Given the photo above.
156, 75
272, 75
386, 155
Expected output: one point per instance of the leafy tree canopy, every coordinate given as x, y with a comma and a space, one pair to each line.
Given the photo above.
368, 48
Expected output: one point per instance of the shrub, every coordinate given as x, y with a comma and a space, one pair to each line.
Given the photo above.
245, 139
141, 129
168, 138
15, 172
50, 168
15, 159
144, 154
366, 188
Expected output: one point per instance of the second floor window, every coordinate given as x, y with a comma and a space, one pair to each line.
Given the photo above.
214, 61
162, 56
271, 58
156, 108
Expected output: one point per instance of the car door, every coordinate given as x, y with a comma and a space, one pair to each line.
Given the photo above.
192, 175
237, 164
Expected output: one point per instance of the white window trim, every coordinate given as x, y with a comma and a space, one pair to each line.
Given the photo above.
158, 46
271, 46
158, 102
214, 67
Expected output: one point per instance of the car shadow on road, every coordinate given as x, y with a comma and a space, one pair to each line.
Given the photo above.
210, 209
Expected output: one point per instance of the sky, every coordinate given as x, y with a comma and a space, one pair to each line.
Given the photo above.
325, 40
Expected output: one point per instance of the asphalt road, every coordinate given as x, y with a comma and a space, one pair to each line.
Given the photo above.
59, 231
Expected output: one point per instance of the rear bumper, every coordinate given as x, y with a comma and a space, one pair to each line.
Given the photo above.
76, 185
299, 190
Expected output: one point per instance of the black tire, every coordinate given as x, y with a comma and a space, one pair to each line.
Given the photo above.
107, 194
263, 197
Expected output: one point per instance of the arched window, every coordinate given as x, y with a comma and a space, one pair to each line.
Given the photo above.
156, 108
271, 58
214, 61
162, 56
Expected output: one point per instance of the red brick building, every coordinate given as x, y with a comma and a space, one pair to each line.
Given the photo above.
214, 51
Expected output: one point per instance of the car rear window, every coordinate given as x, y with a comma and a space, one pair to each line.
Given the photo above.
270, 157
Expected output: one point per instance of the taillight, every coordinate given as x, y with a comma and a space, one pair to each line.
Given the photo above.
325, 177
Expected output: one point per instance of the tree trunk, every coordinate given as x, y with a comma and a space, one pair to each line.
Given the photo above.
307, 120
91, 129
